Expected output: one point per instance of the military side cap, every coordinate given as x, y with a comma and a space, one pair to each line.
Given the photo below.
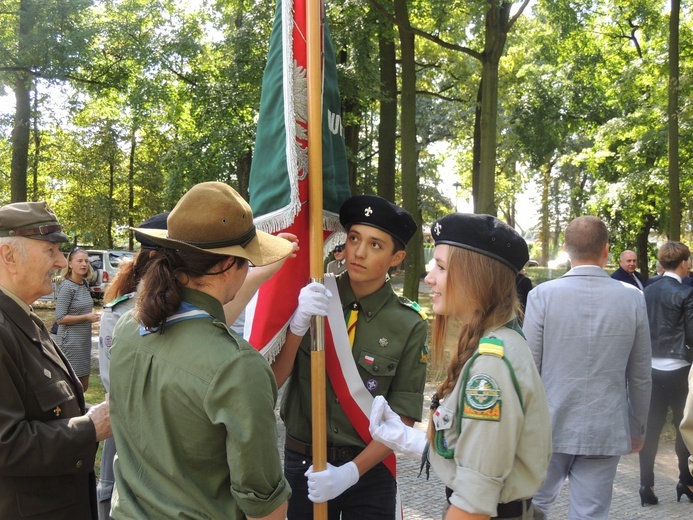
156, 222
483, 234
375, 211
30, 220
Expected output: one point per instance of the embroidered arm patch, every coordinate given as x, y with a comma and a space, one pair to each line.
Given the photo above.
482, 399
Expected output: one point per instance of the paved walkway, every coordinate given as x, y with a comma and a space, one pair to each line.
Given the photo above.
423, 499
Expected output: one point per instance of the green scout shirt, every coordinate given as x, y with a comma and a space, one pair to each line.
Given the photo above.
192, 412
391, 333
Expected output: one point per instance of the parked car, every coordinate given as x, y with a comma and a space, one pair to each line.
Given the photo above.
105, 264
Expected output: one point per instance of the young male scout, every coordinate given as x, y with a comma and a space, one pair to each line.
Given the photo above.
389, 350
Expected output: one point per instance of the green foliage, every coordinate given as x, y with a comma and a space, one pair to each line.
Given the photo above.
161, 94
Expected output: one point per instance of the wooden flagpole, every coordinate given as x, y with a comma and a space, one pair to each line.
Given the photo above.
314, 37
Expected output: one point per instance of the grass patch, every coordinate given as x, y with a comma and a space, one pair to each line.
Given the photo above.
95, 395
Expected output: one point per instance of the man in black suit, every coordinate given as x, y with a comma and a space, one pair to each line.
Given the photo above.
628, 263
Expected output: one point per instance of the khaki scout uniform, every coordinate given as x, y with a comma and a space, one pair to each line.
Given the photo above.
502, 436
391, 356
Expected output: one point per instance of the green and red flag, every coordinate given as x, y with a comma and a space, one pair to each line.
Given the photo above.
278, 175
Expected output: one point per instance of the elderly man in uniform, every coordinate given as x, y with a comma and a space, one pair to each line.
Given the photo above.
388, 348
48, 440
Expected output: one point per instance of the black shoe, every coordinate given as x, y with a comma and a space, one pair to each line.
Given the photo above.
683, 489
648, 497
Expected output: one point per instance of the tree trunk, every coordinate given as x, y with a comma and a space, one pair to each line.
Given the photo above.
37, 150
414, 259
20, 140
545, 216
673, 118
387, 133
476, 150
243, 173
131, 185
351, 141
496, 34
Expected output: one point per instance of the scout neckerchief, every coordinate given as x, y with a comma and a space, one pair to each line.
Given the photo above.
341, 368
186, 311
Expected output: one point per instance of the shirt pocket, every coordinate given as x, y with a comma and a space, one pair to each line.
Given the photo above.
54, 394
377, 371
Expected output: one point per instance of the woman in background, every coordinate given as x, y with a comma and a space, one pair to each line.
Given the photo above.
74, 314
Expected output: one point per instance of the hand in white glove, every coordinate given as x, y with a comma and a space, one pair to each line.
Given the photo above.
329, 484
312, 301
387, 427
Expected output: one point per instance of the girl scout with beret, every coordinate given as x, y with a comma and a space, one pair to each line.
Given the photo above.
489, 437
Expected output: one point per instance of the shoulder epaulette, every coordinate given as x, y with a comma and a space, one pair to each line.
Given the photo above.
413, 306
492, 346
118, 300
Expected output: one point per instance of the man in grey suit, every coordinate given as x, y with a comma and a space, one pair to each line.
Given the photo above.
595, 365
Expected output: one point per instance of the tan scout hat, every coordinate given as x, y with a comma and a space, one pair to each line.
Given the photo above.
30, 220
213, 218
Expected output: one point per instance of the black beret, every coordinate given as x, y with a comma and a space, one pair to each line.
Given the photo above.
375, 211
483, 234
31, 220
156, 222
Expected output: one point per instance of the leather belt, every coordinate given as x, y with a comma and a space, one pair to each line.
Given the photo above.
508, 510
334, 453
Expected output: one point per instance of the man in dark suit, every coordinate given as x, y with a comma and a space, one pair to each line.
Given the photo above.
48, 440
628, 263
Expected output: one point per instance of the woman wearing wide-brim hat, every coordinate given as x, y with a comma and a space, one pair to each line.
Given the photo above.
191, 402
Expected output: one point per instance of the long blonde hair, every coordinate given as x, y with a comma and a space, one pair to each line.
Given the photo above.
481, 291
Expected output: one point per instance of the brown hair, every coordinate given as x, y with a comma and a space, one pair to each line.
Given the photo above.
671, 254
169, 270
585, 238
129, 275
482, 291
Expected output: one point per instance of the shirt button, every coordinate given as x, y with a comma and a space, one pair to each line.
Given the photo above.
376, 368
335, 430
336, 400
369, 314
79, 464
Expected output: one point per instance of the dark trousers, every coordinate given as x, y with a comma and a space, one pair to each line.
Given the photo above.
669, 390
371, 498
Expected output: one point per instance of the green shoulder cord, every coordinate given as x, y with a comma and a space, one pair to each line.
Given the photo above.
494, 347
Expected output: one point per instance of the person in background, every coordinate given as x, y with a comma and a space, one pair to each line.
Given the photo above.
489, 438
389, 356
338, 265
670, 313
659, 270
47, 439
74, 314
524, 285
626, 272
192, 403
595, 369
121, 296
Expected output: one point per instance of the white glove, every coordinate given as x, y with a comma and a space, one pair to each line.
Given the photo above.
387, 427
312, 301
329, 484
